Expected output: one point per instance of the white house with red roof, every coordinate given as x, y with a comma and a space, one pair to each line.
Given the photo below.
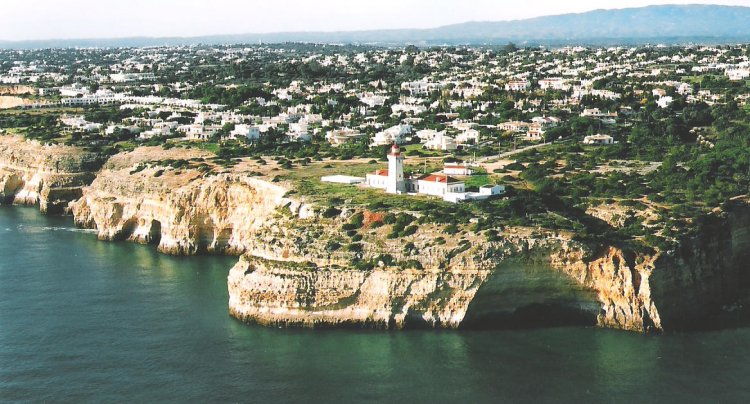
394, 181
441, 185
378, 179
436, 184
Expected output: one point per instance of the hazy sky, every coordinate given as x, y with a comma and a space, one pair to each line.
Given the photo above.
57, 19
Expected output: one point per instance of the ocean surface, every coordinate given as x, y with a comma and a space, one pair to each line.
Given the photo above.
89, 321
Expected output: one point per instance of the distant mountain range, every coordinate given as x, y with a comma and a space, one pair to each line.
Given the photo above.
669, 24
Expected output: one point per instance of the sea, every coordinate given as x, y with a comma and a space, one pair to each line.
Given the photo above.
83, 320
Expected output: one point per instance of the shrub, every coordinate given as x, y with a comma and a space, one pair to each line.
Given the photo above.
354, 247
331, 212
409, 231
332, 246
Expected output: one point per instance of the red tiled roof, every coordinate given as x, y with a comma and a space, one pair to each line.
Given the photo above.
438, 178
383, 173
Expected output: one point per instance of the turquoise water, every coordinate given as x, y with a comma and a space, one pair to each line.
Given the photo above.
89, 321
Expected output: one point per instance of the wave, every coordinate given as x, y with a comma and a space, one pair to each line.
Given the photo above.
70, 229
24, 228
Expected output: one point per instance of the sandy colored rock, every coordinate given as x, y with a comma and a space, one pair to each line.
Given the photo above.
48, 175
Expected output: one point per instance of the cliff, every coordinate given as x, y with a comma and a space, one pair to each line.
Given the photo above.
9, 96
301, 267
16, 90
157, 196
522, 280
48, 175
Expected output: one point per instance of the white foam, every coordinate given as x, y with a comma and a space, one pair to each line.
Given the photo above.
71, 229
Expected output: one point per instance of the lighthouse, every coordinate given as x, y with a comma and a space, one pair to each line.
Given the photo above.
396, 183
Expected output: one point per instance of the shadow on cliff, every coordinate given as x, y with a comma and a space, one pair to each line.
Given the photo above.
530, 294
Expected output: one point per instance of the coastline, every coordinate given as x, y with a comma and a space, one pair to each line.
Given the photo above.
288, 274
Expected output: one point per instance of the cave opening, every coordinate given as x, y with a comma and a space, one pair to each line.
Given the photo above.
154, 234
523, 294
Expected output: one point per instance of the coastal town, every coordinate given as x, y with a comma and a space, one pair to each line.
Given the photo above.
455, 100
457, 124
374, 201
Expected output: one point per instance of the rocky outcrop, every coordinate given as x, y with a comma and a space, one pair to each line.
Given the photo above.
300, 269
447, 286
517, 281
48, 175
16, 90
279, 293
9, 96
139, 197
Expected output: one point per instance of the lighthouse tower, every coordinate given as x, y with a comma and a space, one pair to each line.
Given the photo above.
396, 183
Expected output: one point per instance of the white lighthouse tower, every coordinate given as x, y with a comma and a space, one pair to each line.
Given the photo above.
396, 183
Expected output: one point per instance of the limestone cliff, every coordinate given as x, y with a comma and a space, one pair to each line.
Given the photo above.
520, 280
16, 90
139, 196
48, 175
467, 281
300, 268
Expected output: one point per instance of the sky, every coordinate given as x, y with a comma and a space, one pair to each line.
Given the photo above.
77, 19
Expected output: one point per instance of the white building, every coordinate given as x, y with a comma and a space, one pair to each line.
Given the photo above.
131, 77
441, 142
514, 126
665, 101
414, 109
198, 131
546, 122
345, 135
737, 74
394, 134
78, 122
597, 113
425, 135
468, 136
554, 83
74, 90
372, 100
457, 169
684, 89
159, 129
485, 192
599, 139
421, 87
436, 184
517, 85
378, 179
343, 179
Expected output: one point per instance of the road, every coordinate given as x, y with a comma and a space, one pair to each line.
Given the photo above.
505, 155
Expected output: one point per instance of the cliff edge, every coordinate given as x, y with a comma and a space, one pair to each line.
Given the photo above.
51, 176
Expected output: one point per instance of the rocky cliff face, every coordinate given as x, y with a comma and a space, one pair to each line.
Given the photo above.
279, 293
16, 90
139, 196
520, 280
50, 176
301, 269
466, 282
